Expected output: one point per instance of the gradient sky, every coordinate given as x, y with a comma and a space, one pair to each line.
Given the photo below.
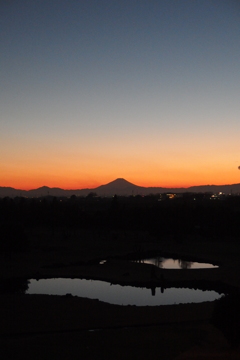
93, 90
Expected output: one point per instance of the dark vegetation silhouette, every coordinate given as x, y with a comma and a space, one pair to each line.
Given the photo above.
190, 216
226, 317
12, 233
13, 285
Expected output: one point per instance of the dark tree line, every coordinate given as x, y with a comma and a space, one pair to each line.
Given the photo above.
187, 216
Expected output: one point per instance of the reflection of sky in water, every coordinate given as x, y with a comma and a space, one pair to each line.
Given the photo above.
117, 294
176, 264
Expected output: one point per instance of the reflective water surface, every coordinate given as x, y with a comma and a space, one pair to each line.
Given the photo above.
165, 263
120, 295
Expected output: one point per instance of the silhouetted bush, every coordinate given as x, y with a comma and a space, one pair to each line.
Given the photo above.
14, 285
12, 238
226, 317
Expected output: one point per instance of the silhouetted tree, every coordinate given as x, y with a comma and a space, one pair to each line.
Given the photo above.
91, 195
226, 317
12, 238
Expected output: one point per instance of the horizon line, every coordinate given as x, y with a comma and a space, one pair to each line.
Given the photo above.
88, 188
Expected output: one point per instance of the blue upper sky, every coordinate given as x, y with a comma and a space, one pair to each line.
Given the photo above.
146, 90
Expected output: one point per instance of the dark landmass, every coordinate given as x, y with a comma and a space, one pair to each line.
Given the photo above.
50, 236
119, 187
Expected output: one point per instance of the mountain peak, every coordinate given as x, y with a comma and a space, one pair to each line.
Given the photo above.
119, 182
118, 186
43, 188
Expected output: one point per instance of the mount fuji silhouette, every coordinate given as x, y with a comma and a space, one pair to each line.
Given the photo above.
118, 186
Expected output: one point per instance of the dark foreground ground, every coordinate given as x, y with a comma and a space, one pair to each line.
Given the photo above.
68, 327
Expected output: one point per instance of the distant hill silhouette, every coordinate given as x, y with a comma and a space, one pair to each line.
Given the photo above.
119, 187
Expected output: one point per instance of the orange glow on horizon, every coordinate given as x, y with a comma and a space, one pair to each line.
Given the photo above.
81, 172
24, 183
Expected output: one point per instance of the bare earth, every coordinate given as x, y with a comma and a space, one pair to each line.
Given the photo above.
68, 327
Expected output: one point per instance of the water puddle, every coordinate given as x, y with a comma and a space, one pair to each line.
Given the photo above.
120, 295
168, 263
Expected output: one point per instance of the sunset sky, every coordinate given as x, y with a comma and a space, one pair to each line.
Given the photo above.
93, 90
